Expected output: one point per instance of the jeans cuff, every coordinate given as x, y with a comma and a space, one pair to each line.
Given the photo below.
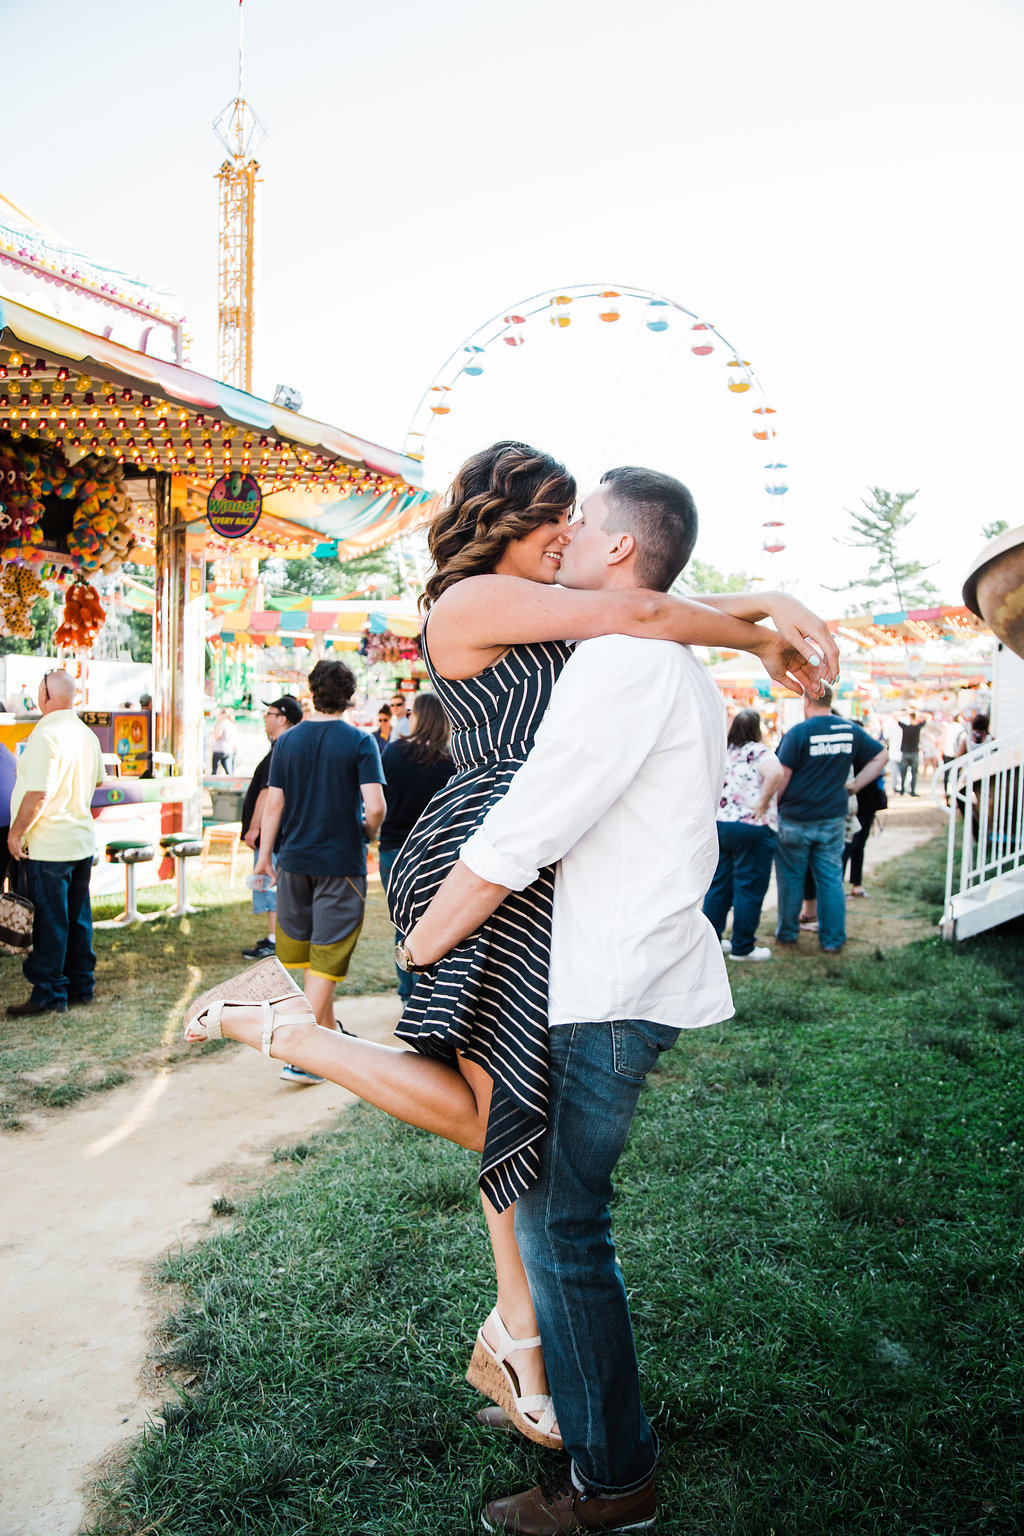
596, 1491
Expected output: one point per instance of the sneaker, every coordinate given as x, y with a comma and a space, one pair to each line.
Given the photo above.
755, 954
291, 1074
727, 946
262, 950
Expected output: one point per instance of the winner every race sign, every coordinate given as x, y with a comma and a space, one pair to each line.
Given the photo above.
234, 504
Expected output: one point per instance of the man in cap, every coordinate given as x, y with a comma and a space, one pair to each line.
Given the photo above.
281, 715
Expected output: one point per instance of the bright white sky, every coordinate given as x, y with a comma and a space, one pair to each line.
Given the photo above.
836, 187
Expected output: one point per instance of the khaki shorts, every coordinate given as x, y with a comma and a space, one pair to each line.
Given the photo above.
319, 919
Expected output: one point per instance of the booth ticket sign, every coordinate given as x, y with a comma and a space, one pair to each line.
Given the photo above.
234, 504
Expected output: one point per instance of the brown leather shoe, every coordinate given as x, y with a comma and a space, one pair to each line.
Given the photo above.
557, 1506
29, 1009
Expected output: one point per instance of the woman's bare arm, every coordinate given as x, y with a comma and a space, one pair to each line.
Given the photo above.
475, 621
790, 617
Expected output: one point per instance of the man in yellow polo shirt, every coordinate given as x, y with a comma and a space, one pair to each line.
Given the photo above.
53, 839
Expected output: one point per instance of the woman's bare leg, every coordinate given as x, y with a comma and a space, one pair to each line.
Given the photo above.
450, 1101
319, 991
413, 1088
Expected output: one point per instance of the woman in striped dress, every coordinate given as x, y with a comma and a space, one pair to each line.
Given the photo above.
494, 645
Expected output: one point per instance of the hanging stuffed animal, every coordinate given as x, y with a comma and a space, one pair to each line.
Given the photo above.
83, 618
103, 531
21, 479
20, 588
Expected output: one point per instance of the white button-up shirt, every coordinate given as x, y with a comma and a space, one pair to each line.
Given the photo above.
620, 791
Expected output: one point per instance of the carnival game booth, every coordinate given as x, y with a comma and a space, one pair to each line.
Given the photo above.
744, 684
939, 659
109, 452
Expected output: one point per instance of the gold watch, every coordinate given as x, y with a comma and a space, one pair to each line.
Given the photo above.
405, 961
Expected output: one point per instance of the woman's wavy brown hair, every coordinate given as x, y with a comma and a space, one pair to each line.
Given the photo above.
497, 496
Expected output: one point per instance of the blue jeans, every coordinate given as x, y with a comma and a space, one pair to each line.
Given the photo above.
563, 1227
62, 960
386, 858
908, 766
818, 846
744, 869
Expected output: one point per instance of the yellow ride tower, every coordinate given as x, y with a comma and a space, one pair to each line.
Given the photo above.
241, 132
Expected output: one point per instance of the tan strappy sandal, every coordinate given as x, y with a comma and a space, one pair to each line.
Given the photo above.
490, 1374
261, 986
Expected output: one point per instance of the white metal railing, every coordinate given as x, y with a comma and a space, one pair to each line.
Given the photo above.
984, 793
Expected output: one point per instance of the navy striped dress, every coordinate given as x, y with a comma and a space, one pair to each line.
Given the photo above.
488, 997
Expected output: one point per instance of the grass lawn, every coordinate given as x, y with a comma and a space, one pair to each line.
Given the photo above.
819, 1221
146, 976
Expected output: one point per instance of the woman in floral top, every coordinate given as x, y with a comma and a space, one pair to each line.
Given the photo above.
747, 823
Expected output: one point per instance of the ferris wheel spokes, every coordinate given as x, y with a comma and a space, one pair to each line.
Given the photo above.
482, 393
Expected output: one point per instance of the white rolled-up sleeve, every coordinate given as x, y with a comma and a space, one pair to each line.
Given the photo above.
605, 717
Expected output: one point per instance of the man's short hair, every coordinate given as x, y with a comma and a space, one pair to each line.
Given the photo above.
824, 698
332, 685
660, 514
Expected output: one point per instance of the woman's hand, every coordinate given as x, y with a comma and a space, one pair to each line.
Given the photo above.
792, 663
796, 623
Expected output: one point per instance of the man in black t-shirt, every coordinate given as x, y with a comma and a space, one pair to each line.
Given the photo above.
910, 751
817, 757
325, 796
281, 714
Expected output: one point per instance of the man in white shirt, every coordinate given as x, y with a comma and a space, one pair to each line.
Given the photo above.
633, 961
52, 837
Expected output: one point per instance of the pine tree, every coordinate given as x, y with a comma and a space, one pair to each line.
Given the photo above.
879, 528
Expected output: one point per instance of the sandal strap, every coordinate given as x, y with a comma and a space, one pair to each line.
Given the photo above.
267, 1038
539, 1403
507, 1345
211, 1021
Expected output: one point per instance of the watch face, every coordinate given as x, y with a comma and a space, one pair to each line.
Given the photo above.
401, 957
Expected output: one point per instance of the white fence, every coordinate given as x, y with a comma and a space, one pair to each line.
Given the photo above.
985, 873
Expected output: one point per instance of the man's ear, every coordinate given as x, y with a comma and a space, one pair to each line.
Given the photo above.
622, 549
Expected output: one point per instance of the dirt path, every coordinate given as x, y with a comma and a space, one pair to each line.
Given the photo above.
93, 1197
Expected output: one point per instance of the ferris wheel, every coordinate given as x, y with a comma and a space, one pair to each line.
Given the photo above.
603, 374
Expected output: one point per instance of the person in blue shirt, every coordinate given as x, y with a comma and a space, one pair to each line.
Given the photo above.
8, 774
818, 757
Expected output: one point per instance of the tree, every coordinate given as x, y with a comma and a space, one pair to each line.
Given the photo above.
879, 528
993, 530
700, 577
331, 577
140, 635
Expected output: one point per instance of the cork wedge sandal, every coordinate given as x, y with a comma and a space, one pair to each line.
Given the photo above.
491, 1375
262, 986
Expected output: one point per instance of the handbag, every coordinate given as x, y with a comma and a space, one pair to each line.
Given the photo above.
16, 917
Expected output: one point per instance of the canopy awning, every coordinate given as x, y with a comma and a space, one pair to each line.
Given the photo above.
92, 395
303, 618
913, 626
